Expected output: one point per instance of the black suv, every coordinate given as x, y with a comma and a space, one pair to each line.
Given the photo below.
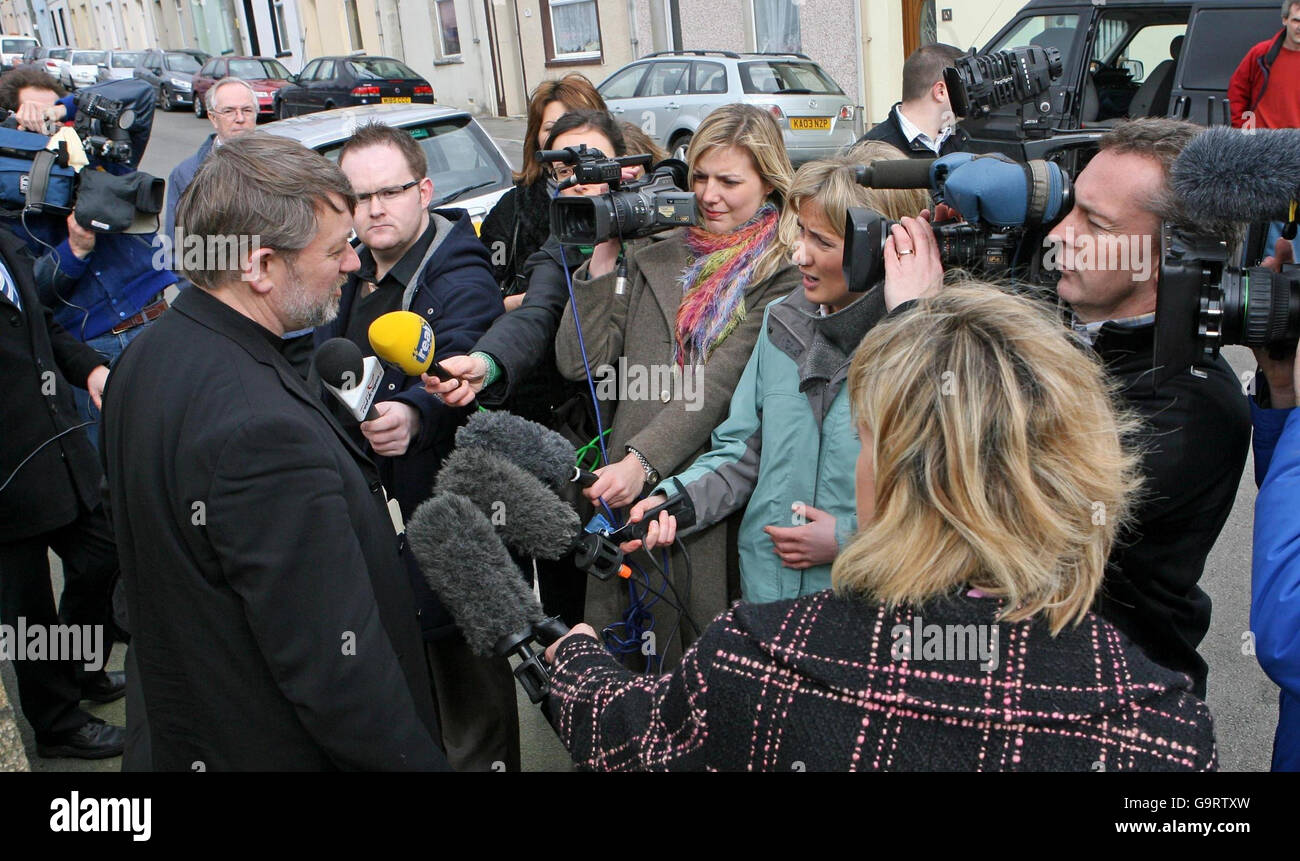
1123, 59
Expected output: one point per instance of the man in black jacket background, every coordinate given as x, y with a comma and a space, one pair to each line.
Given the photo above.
1197, 428
50, 498
922, 124
272, 621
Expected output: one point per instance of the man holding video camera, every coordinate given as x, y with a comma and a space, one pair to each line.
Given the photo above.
103, 287
1196, 427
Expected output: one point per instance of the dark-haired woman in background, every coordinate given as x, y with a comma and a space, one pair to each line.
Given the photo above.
518, 225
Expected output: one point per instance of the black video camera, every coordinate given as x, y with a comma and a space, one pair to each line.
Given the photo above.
978, 83
102, 124
1005, 205
1204, 303
656, 202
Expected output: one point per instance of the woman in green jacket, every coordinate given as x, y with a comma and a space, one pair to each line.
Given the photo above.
786, 452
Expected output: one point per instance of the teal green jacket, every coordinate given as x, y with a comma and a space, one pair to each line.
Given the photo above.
778, 447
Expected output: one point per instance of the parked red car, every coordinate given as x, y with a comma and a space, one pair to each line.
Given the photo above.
264, 74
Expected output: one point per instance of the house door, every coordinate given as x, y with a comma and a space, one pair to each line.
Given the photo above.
919, 26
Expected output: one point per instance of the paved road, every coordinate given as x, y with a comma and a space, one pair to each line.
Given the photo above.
1243, 700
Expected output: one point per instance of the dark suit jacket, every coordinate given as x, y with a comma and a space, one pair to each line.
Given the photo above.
39, 364
273, 624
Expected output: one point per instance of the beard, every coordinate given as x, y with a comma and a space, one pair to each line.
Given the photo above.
302, 310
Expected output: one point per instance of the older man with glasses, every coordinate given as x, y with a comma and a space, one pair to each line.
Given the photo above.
232, 109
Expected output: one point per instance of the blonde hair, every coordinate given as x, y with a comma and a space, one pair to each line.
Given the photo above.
998, 453
754, 130
831, 184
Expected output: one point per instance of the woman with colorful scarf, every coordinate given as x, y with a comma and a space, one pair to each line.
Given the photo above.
668, 347
785, 454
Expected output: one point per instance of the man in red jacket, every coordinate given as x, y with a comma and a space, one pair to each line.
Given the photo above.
1265, 90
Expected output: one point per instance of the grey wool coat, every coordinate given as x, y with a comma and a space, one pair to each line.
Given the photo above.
668, 419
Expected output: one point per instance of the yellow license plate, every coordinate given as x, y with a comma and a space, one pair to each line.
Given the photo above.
810, 124
406, 100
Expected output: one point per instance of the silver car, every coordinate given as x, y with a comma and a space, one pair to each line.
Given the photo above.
669, 93
120, 65
467, 168
83, 68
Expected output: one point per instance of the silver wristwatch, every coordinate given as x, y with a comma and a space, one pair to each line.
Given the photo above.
651, 476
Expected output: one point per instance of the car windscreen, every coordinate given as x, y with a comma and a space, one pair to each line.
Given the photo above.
125, 61
251, 70
1057, 31
780, 76
16, 46
462, 161
89, 58
388, 69
182, 63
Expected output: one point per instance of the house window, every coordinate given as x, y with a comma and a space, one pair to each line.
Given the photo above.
776, 26
354, 24
279, 27
448, 32
571, 30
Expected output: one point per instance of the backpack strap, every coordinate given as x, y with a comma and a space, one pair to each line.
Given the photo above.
1266, 64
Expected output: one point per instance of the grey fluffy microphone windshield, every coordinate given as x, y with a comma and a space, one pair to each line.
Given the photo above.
529, 517
468, 567
1229, 175
537, 449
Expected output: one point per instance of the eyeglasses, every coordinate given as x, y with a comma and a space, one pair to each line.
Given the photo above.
561, 172
230, 112
387, 195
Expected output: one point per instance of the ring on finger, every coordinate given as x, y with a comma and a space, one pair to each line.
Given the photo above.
905, 252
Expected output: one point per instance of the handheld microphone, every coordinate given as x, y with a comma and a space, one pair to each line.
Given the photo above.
349, 377
466, 564
535, 448
1227, 174
402, 338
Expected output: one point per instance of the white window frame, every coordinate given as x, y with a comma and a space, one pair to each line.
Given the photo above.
443, 53
580, 55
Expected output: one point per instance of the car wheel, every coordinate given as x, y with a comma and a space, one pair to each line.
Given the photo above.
277, 109
198, 107
677, 148
165, 99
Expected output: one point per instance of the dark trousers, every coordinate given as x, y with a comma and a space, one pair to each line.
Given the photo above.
475, 699
50, 691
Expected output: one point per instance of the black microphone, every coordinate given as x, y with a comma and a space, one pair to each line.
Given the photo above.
349, 377
467, 566
896, 173
1232, 175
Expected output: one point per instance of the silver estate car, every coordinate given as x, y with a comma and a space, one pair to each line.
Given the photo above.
669, 93
467, 168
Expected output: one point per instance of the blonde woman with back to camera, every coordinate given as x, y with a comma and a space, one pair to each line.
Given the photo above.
677, 338
957, 636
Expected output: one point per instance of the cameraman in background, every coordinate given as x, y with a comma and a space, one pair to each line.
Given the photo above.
1275, 563
1197, 429
102, 287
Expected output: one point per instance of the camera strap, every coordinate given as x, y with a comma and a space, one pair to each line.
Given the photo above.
38, 180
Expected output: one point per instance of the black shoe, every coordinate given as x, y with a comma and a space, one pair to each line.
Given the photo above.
94, 740
104, 687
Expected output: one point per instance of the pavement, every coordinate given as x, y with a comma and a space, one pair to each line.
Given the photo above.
1241, 698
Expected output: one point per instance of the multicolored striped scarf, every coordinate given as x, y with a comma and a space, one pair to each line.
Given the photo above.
714, 283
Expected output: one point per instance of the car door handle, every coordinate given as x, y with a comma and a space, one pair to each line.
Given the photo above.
673, 106
616, 110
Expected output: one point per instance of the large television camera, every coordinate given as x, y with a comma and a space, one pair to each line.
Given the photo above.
1007, 207
36, 179
658, 201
